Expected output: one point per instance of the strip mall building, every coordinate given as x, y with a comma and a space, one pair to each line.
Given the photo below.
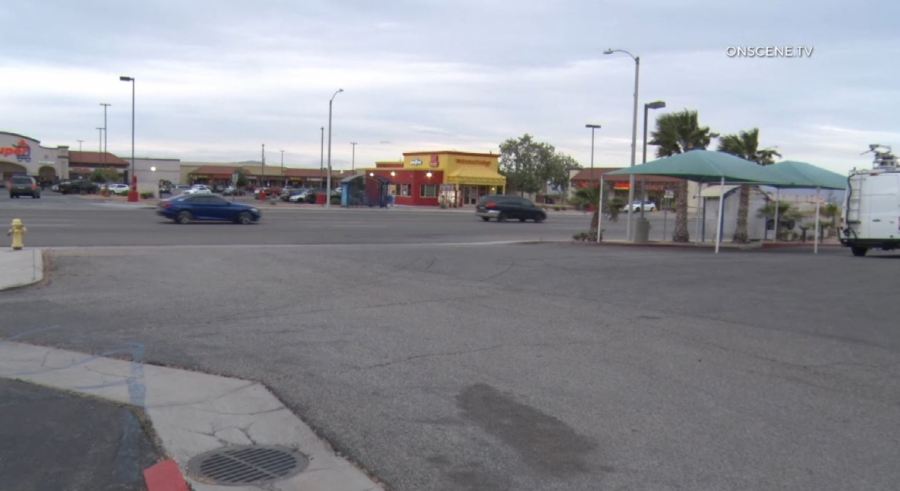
449, 177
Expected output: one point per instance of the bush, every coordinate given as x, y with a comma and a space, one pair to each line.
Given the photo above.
147, 195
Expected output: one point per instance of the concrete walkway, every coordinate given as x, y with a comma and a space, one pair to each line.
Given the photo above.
20, 268
191, 413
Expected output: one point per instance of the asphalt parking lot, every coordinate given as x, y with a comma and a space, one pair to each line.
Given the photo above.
448, 364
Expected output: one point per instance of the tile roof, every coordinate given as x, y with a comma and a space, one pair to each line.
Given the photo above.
95, 158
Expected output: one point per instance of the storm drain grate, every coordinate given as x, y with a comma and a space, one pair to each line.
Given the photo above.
247, 464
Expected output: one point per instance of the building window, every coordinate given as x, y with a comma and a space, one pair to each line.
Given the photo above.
404, 190
428, 191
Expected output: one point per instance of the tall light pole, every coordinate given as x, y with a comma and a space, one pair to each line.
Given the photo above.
322, 156
592, 127
647, 107
100, 140
79, 144
328, 186
132, 192
263, 176
353, 158
637, 71
283, 179
105, 132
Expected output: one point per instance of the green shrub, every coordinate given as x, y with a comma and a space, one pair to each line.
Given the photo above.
147, 195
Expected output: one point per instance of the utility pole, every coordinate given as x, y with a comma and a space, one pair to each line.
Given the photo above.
263, 176
283, 179
353, 158
79, 144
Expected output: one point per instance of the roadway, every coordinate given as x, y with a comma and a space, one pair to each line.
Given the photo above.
441, 364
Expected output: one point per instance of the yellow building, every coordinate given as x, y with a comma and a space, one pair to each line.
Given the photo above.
446, 176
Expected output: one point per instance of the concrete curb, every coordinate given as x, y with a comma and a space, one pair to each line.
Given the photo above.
20, 268
191, 412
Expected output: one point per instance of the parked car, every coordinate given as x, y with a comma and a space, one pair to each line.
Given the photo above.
190, 207
508, 208
636, 206
299, 195
19, 185
118, 188
80, 186
233, 191
198, 189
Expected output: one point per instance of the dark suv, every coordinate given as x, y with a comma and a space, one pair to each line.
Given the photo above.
19, 185
79, 186
508, 208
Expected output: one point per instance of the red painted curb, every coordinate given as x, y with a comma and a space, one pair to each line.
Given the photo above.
164, 476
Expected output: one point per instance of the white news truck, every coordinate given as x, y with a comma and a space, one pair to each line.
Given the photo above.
872, 208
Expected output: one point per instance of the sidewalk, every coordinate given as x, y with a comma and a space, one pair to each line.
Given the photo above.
20, 268
218, 432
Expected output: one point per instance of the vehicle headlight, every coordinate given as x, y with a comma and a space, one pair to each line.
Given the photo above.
254, 210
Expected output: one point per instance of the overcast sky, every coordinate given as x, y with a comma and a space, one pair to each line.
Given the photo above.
217, 78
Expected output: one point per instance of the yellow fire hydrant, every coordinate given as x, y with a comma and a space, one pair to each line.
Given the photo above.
17, 230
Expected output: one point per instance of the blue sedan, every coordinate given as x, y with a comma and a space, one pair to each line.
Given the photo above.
190, 207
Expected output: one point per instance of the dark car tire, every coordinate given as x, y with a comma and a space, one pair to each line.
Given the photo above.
244, 218
184, 217
501, 217
522, 220
859, 251
485, 218
539, 219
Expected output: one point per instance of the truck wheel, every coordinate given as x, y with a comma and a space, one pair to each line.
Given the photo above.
859, 251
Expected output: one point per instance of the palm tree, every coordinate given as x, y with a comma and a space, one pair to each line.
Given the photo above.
676, 133
589, 196
745, 145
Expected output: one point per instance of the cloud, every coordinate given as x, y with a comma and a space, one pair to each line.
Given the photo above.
215, 79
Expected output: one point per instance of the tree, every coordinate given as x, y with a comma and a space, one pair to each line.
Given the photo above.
589, 196
557, 171
241, 177
104, 174
676, 133
524, 162
745, 145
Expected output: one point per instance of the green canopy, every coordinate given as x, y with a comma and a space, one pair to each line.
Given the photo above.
802, 175
705, 166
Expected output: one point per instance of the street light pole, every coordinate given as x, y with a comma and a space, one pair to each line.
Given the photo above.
283, 179
263, 172
322, 157
592, 127
353, 158
100, 140
328, 186
132, 192
79, 144
637, 71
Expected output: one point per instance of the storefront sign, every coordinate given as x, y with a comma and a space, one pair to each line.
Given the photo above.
415, 162
435, 162
21, 150
621, 186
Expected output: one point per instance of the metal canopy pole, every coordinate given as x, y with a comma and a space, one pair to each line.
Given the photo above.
699, 194
721, 207
777, 205
816, 241
600, 209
